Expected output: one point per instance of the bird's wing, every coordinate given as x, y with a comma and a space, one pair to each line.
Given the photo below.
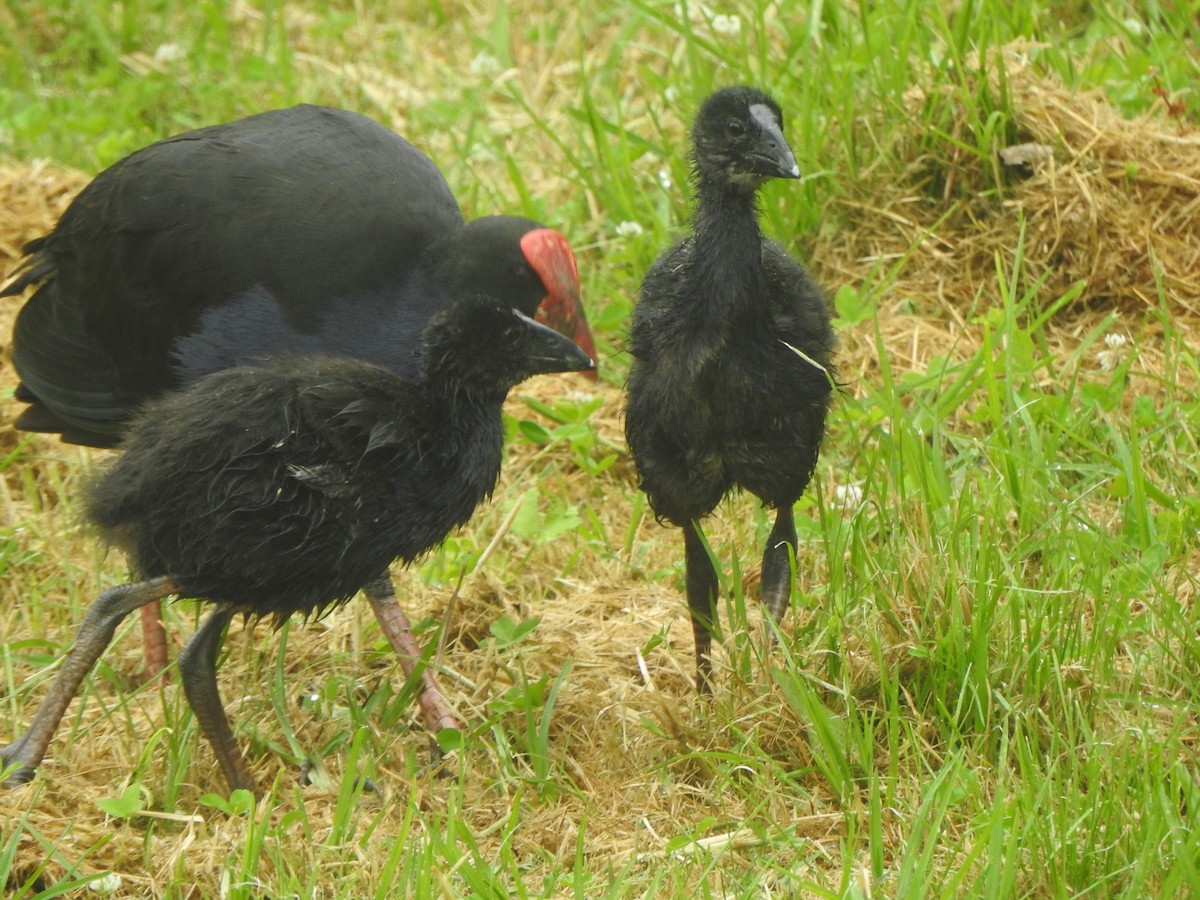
800, 310
657, 311
316, 206
362, 414
66, 377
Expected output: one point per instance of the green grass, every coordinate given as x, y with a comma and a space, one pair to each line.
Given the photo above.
989, 683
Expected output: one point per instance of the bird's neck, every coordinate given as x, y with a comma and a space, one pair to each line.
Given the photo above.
447, 460
470, 438
727, 238
461, 404
727, 216
462, 411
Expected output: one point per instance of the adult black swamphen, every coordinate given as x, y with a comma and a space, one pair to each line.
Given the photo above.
718, 396
296, 230
286, 488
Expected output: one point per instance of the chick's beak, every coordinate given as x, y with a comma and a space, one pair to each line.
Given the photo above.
773, 153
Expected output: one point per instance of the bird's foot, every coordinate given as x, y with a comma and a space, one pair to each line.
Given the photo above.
442, 763
313, 772
10, 755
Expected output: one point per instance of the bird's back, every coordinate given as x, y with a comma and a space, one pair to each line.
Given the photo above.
307, 204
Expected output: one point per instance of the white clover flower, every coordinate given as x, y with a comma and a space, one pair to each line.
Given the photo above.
1117, 348
727, 26
848, 496
484, 64
629, 229
664, 178
169, 53
108, 883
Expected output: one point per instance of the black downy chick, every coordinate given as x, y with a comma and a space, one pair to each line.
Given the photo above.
718, 395
294, 231
286, 488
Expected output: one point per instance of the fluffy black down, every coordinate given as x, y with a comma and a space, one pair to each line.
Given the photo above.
718, 396
285, 489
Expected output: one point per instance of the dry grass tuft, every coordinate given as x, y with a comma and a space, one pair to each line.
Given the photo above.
1106, 201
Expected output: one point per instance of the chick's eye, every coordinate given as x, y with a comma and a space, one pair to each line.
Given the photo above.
735, 128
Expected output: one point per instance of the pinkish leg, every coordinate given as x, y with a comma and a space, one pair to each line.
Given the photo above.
394, 623
154, 639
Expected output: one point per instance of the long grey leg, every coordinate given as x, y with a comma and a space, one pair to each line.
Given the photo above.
702, 587
94, 636
777, 580
198, 672
395, 625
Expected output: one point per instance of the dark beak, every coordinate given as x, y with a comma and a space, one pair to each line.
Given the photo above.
773, 157
552, 351
550, 256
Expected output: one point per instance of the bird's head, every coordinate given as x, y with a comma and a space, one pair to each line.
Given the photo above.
480, 345
738, 139
529, 267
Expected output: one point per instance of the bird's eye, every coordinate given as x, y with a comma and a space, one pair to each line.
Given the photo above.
735, 128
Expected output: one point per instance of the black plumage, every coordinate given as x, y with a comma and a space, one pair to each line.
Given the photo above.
285, 488
718, 396
303, 230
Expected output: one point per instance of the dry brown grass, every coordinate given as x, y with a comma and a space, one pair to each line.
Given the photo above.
1109, 203
1113, 201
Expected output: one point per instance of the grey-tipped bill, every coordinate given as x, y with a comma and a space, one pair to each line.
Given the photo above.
772, 154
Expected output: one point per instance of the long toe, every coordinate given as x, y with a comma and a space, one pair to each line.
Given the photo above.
12, 754
442, 763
